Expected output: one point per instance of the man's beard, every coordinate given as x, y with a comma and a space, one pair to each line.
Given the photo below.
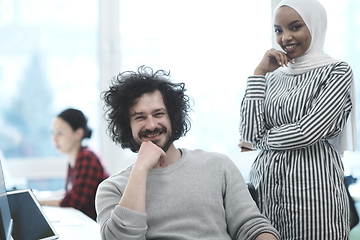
168, 141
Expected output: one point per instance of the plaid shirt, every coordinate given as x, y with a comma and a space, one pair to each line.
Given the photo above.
82, 181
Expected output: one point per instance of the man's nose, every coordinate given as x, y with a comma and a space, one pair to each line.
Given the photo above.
151, 123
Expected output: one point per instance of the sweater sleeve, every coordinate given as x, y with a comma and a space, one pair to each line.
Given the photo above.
117, 222
324, 119
243, 217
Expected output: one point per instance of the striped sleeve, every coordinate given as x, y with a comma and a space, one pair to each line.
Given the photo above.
251, 117
326, 114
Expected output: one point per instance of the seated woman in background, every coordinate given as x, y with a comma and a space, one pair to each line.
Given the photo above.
85, 169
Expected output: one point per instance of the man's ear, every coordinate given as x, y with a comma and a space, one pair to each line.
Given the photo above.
79, 133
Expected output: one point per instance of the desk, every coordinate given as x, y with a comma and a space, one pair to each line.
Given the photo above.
72, 224
354, 190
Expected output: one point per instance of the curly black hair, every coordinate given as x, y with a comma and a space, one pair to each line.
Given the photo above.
128, 86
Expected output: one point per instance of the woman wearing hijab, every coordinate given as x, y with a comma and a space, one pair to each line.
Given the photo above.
85, 169
298, 99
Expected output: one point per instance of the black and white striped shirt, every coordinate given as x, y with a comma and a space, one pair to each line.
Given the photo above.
298, 173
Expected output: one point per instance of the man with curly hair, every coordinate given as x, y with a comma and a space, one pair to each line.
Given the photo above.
169, 193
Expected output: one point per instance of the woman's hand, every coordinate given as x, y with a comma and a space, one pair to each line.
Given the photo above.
272, 60
245, 146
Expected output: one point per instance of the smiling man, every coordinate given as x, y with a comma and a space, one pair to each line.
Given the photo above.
169, 193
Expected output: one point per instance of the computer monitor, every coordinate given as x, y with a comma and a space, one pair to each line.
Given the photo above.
6, 222
30, 222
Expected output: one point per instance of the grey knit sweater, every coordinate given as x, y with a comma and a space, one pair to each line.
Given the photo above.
201, 196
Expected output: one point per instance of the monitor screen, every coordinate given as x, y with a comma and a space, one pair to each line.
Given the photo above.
30, 223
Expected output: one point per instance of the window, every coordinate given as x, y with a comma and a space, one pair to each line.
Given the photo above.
48, 56
341, 43
49, 61
212, 46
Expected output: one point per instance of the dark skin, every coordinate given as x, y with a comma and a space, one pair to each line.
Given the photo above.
272, 60
293, 37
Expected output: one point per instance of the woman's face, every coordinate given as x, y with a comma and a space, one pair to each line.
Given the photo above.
291, 32
64, 137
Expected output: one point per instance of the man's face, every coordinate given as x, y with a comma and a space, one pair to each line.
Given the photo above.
149, 120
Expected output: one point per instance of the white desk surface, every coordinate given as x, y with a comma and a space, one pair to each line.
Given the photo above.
72, 224
354, 190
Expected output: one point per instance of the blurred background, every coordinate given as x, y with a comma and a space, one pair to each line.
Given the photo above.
62, 53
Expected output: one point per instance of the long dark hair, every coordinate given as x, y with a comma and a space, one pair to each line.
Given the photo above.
126, 87
76, 120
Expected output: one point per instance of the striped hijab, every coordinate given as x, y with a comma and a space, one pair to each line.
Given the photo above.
314, 16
